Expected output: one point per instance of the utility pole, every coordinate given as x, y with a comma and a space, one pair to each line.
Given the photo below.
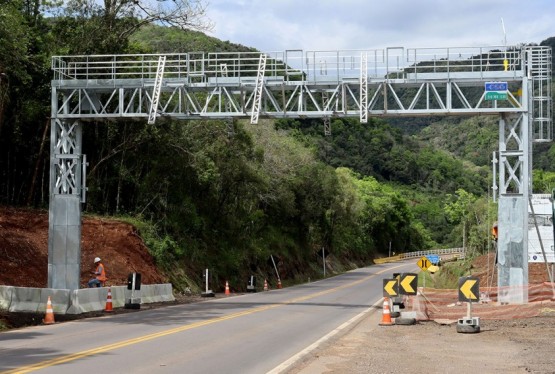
324, 259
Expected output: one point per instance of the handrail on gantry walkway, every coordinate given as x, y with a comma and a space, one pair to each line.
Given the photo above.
297, 65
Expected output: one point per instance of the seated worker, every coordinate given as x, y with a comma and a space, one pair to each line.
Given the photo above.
100, 273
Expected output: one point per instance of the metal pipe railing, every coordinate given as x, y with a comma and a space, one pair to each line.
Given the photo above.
390, 63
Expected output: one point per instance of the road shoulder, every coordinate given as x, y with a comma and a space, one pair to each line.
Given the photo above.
504, 346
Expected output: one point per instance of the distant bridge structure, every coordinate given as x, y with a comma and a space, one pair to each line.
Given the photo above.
513, 83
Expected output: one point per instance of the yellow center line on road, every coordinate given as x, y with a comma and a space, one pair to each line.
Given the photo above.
144, 338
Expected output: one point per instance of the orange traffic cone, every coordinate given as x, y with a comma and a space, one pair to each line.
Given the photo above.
279, 283
109, 301
265, 285
386, 315
49, 317
227, 288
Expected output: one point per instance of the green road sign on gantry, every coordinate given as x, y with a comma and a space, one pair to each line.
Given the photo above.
496, 90
496, 96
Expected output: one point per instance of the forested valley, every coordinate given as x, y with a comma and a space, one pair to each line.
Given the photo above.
201, 197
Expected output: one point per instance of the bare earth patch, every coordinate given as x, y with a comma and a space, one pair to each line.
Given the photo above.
24, 250
503, 346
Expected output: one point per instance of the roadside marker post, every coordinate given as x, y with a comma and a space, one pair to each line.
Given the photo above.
133, 284
469, 291
424, 264
408, 285
391, 287
207, 292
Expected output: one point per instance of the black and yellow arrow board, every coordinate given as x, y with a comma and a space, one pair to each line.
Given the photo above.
390, 287
469, 289
408, 284
405, 284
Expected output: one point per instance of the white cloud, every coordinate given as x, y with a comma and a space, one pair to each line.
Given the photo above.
276, 25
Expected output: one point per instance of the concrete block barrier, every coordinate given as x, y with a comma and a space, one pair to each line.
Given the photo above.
156, 293
119, 295
59, 299
87, 300
164, 292
25, 299
5, 297
147, 294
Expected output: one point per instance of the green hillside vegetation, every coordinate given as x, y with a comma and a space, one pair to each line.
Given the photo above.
473, 139
204, 198
156, 39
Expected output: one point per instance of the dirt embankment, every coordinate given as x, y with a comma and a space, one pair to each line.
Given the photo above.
485, 269
24, 250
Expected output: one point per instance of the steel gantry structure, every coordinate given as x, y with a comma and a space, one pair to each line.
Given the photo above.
513, 83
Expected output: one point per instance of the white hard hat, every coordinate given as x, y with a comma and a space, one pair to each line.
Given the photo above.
96, 259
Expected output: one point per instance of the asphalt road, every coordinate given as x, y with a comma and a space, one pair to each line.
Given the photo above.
254, 333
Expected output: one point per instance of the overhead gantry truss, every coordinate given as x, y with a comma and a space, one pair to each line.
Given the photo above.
282, 100
292, 84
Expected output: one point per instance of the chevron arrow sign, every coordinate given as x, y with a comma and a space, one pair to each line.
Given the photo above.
469, 289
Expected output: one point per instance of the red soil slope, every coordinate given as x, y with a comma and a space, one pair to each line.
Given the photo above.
24, 250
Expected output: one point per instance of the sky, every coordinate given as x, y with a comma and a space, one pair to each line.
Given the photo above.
279, 25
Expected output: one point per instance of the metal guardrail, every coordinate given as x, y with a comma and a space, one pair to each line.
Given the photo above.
445, 251
460, 252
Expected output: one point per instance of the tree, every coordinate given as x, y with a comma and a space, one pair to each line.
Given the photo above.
544, 181
13, 54
184, 14
104, 27
462, 209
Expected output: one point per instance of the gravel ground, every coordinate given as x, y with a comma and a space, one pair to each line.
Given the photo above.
502, 346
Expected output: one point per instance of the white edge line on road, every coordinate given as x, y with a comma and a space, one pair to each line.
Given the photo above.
296, 358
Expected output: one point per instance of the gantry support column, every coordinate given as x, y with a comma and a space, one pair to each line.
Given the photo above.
514, 189
64, 220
